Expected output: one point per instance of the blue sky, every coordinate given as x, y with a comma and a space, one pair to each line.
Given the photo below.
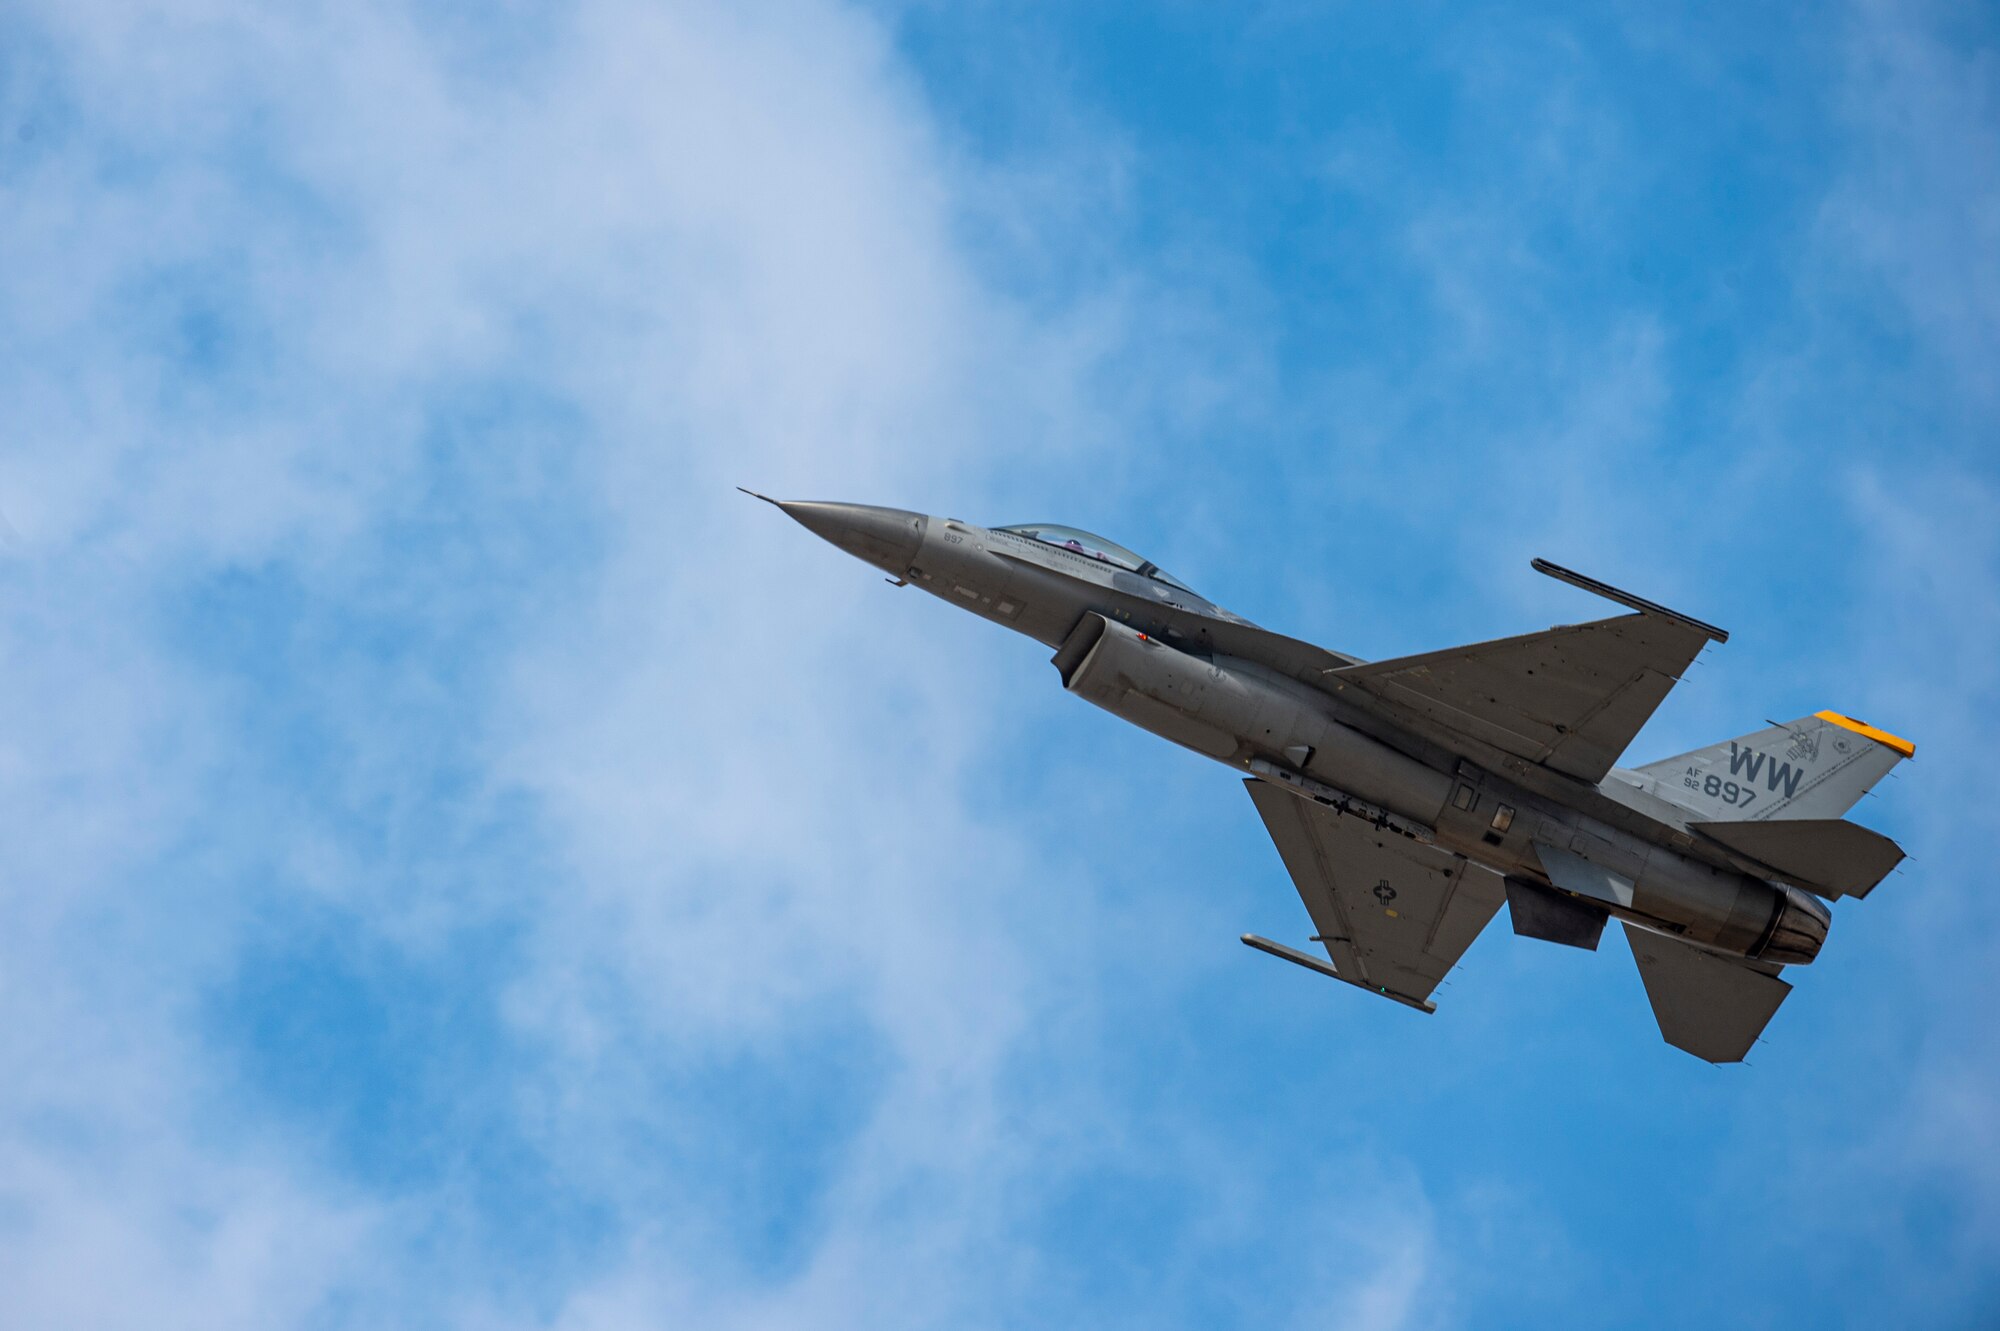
470, 868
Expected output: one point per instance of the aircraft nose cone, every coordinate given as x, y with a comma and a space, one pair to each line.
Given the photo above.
888, 538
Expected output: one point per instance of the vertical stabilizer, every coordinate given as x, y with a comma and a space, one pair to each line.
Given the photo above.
1815, 767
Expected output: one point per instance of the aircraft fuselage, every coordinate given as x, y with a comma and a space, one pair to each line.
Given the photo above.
1183, 668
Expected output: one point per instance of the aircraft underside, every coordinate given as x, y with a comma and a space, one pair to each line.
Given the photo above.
1410, 798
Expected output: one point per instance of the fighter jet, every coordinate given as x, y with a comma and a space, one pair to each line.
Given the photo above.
1409, 798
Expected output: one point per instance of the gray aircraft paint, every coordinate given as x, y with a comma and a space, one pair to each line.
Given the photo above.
1808, 768
1457, 757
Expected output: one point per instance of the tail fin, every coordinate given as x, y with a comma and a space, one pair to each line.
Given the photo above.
1815, 767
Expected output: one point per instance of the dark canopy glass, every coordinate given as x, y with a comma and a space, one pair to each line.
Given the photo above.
1096, 547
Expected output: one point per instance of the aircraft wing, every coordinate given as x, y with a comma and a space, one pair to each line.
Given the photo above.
1570, 698
1395, 914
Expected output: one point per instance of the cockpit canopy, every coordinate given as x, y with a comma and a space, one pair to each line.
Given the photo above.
1096, 547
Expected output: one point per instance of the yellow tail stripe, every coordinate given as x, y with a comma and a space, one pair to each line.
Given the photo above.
1902, 746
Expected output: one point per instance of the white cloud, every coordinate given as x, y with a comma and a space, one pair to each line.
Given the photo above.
259, 261
279, 281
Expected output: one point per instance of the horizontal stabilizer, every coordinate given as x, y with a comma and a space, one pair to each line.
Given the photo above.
1829, 856
1712, 1007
